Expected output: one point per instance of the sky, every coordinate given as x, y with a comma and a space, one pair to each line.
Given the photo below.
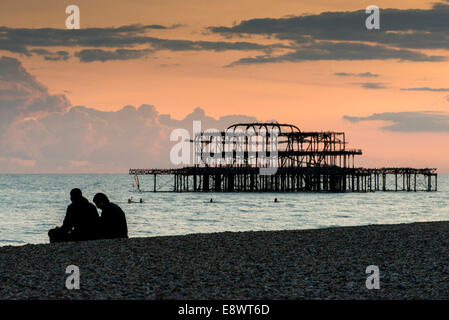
106, 97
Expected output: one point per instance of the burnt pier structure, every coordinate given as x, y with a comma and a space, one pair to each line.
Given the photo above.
233, 161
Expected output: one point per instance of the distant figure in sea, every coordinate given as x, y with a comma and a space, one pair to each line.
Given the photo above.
141, 200
276, 200
211, 200
81, 221
112, 221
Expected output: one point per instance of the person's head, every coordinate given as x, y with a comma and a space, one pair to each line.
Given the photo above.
75, 194
101, 200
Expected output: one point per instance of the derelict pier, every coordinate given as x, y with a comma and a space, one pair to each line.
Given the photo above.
303, 162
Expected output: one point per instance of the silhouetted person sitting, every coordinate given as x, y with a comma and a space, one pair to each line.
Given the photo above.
81, 221
112, 220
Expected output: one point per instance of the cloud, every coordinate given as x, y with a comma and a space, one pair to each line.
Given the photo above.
371, 85
361, 75
40, 132
405, 28
418, 121
343, 35
166, 65
426, 89
91, 140
217, 46
90, 55
21, 95
341, 51
52, 56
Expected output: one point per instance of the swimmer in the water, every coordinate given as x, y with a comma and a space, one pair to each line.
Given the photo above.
211, 200
141, 201
130, 200
276, 200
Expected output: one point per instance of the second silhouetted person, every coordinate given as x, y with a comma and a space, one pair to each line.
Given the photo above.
112, 220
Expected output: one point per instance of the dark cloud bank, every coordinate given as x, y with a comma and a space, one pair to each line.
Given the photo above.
403, 36
403, 33
104, 44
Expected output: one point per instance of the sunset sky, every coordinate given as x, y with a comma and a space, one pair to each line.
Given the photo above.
105, 98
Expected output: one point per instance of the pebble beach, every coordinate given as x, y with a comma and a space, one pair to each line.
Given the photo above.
304, 264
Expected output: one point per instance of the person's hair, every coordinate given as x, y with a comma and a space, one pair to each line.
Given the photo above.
76, 193
101, 197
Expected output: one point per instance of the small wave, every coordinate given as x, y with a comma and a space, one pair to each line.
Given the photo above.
202, 220
12, 241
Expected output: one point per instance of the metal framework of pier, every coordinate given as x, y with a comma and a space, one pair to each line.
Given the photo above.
305, 162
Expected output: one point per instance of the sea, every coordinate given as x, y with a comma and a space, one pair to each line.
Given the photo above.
31, 204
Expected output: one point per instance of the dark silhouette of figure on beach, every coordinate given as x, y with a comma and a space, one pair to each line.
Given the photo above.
141, 200
275, 199
112, 221
81, 221
211, 200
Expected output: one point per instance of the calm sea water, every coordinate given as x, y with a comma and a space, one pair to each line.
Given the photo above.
32, 204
